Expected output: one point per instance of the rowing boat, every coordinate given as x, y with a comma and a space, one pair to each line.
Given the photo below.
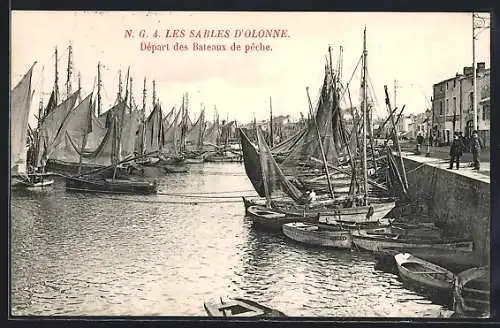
424, 276
239, 307
318, 235
471, 292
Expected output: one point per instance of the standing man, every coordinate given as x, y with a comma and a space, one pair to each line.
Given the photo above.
455, 151
475, 147
420, 141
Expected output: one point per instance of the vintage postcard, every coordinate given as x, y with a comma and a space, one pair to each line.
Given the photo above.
250, 164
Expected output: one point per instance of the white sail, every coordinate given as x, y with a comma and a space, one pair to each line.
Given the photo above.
19, 114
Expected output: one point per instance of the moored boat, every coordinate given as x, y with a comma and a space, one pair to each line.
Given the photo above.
318, 235
363, 239
175, 168
119, 186
239, 307
196, 160
268, 219
430, 278
455, 260
471, 292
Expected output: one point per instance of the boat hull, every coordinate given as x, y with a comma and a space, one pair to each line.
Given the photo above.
111, 186
268, 219
451, 259
373, 243
433, 280
239, 307
471, 292
317, 235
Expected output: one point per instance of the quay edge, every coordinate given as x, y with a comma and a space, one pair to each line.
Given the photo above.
457, 200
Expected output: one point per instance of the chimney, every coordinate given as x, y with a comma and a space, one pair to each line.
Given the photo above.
481, 67
468, 70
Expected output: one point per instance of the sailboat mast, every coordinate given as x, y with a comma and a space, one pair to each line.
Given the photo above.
130, 99
84, 136
70, 70
79, 82
271, 138
154, 93
364, 105
144, 98
119, 95
143, 118
330, 186
56, 81
99, 100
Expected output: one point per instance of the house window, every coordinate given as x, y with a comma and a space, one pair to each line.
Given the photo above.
441, 107
454, 105
486, 111
471, 100
447, 107
446, 86
454, 83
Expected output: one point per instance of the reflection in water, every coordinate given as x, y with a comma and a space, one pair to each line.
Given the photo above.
87, 254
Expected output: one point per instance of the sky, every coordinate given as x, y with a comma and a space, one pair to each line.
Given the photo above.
416, 49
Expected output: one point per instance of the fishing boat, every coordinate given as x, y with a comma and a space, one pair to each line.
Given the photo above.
424, 276
109, 151
318, 234
267, 219
194, 160
116, 186
374, 241
19, 115
174, 168
239, 307
454, 260
471, 292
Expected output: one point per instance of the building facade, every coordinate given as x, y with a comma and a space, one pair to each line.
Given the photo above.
452, 105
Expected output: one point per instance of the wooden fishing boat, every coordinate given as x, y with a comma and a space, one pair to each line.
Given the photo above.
175, 168
119, 186
223, 158
365, 240
454, 260
239, 307
31, 182
318, 235
424, 276
196, 160
471, 292
267, 219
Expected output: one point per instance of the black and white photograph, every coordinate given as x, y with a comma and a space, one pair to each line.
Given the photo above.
249, 164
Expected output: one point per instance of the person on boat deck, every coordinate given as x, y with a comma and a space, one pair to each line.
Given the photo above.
455, 151
311, 197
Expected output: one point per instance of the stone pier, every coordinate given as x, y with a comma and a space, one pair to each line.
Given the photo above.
458, 200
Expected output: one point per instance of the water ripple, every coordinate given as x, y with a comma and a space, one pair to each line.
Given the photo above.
83, 254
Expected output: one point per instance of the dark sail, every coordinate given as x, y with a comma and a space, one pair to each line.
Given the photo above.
272, 175
252, 164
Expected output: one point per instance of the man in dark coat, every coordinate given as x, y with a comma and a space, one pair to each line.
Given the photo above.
475, 146
455, 151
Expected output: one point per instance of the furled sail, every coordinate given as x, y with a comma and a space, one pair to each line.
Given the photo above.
251, 161
328, 120
211, 136
153, 131
53, 128
287, 145
19, 113
194, 137
172, 137
276, 182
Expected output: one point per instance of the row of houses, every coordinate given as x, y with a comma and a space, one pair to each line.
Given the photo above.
452, 105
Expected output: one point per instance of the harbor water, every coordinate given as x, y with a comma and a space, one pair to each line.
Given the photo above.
163, 255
